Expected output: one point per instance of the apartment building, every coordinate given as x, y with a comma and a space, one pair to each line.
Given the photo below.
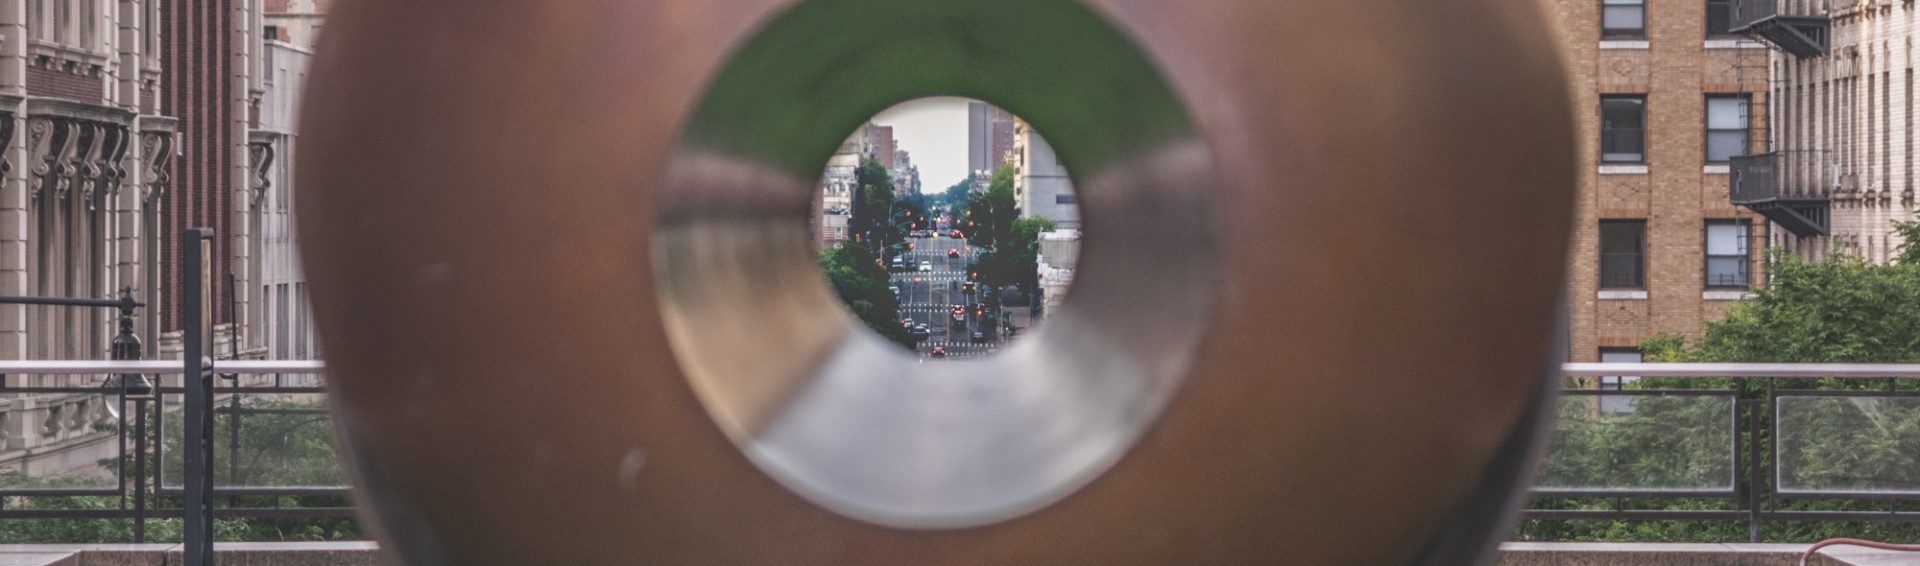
1668, 98
1839, 172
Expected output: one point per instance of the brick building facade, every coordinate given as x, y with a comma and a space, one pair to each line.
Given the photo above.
1664, 104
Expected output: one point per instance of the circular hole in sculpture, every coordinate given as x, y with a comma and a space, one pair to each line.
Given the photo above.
948, 226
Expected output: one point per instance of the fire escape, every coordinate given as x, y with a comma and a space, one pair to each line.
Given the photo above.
1790, 187
1798, 27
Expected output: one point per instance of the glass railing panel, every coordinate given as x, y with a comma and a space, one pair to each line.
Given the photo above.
1848, 445
1641, 442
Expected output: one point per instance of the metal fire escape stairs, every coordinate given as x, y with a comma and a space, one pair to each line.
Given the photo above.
1787, 186
1794, 26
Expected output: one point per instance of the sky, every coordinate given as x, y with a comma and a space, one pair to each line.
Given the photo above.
934, 130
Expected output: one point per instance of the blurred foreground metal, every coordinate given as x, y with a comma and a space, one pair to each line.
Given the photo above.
500, 194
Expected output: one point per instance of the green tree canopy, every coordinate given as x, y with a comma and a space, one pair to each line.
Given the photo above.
872, 219
991, 213
1842, 309
956, 195
862, 284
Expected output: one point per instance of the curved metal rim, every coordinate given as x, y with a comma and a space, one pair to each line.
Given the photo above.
856, 426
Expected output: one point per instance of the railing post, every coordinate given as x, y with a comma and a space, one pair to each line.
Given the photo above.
199, 402
139, 471
1756, 471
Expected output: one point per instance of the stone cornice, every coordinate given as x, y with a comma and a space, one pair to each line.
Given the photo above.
151, 123
37, 106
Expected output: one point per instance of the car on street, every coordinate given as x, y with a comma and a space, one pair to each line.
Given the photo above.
920, 331
926, 266
956, 234
979, 336
953, 253
939, 352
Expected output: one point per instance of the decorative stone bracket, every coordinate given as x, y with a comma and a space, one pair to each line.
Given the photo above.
72, 154
260, 155
156, 147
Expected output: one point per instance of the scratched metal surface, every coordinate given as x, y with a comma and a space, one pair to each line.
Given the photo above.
528, 226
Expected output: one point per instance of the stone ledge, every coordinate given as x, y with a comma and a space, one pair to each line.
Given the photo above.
1511, 554
1704, 554
238, 554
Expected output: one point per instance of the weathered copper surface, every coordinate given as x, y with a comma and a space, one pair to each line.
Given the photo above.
491, 195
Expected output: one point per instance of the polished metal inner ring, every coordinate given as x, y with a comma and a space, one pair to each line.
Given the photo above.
861, 427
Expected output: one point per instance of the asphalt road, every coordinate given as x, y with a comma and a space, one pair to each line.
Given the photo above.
929, 296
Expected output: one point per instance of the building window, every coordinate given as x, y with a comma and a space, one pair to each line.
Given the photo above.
1719, 17
1623, 18
1617, 404
1623, 254
1063, 199
1726, 128
1728, 264
1623, 129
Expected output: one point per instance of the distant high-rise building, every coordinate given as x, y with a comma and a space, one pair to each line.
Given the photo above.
906, 177
989, 136
834, 201
881, 146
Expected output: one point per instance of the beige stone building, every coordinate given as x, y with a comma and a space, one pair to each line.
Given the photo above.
1041, 186
122, 123
1667, 98
1840, 169
835, 197
295, 22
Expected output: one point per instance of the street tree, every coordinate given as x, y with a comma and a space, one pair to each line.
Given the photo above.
956, 195
873, 220
1023, 252
862, 285
990, 213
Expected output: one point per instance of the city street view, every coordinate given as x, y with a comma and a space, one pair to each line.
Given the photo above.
967, 268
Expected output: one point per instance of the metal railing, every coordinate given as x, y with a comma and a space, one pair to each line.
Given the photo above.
1787, 174
92, 438
1749, 443
1745, 13
1762, 440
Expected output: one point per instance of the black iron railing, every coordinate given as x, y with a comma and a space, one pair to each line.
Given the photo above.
1799, 27
1746, 13
1791, 188
1748, 443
